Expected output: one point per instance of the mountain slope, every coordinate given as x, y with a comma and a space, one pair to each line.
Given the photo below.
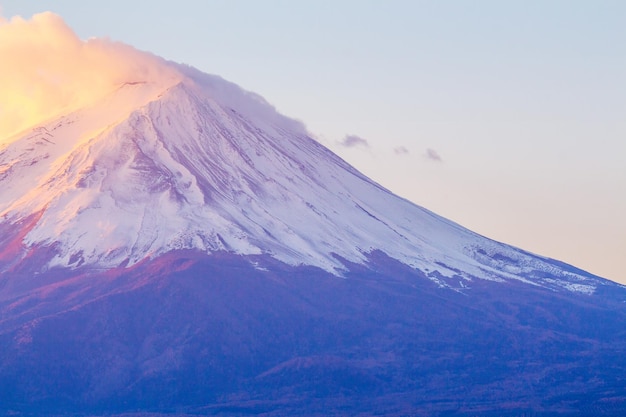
187, 333
181, 247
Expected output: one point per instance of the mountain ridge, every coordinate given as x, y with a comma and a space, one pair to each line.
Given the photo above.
171, 245
184, 249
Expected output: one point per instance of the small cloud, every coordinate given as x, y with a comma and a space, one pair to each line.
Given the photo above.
432, 155
48, 70
351, 141
401, 150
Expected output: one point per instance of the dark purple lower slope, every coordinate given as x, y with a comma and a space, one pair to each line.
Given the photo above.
187, 333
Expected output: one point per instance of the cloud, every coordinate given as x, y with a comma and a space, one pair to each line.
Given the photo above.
401, 150
46, 70
432, 155
351, 141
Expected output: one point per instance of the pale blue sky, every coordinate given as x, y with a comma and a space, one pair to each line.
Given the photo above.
524, 101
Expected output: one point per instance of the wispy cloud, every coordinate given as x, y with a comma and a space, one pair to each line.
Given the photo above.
351, 141
401, 150
45, 69
432, 155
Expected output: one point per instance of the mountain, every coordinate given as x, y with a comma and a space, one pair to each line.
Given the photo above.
181, 248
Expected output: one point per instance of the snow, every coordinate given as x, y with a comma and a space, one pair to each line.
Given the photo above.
204, 165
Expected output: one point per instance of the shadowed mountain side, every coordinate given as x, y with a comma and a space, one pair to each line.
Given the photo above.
220, 336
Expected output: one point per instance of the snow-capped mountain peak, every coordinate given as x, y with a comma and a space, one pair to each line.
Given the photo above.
202, 164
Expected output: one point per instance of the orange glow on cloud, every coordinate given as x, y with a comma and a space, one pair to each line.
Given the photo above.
46, 70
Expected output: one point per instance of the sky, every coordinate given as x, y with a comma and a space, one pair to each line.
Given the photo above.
506, 117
